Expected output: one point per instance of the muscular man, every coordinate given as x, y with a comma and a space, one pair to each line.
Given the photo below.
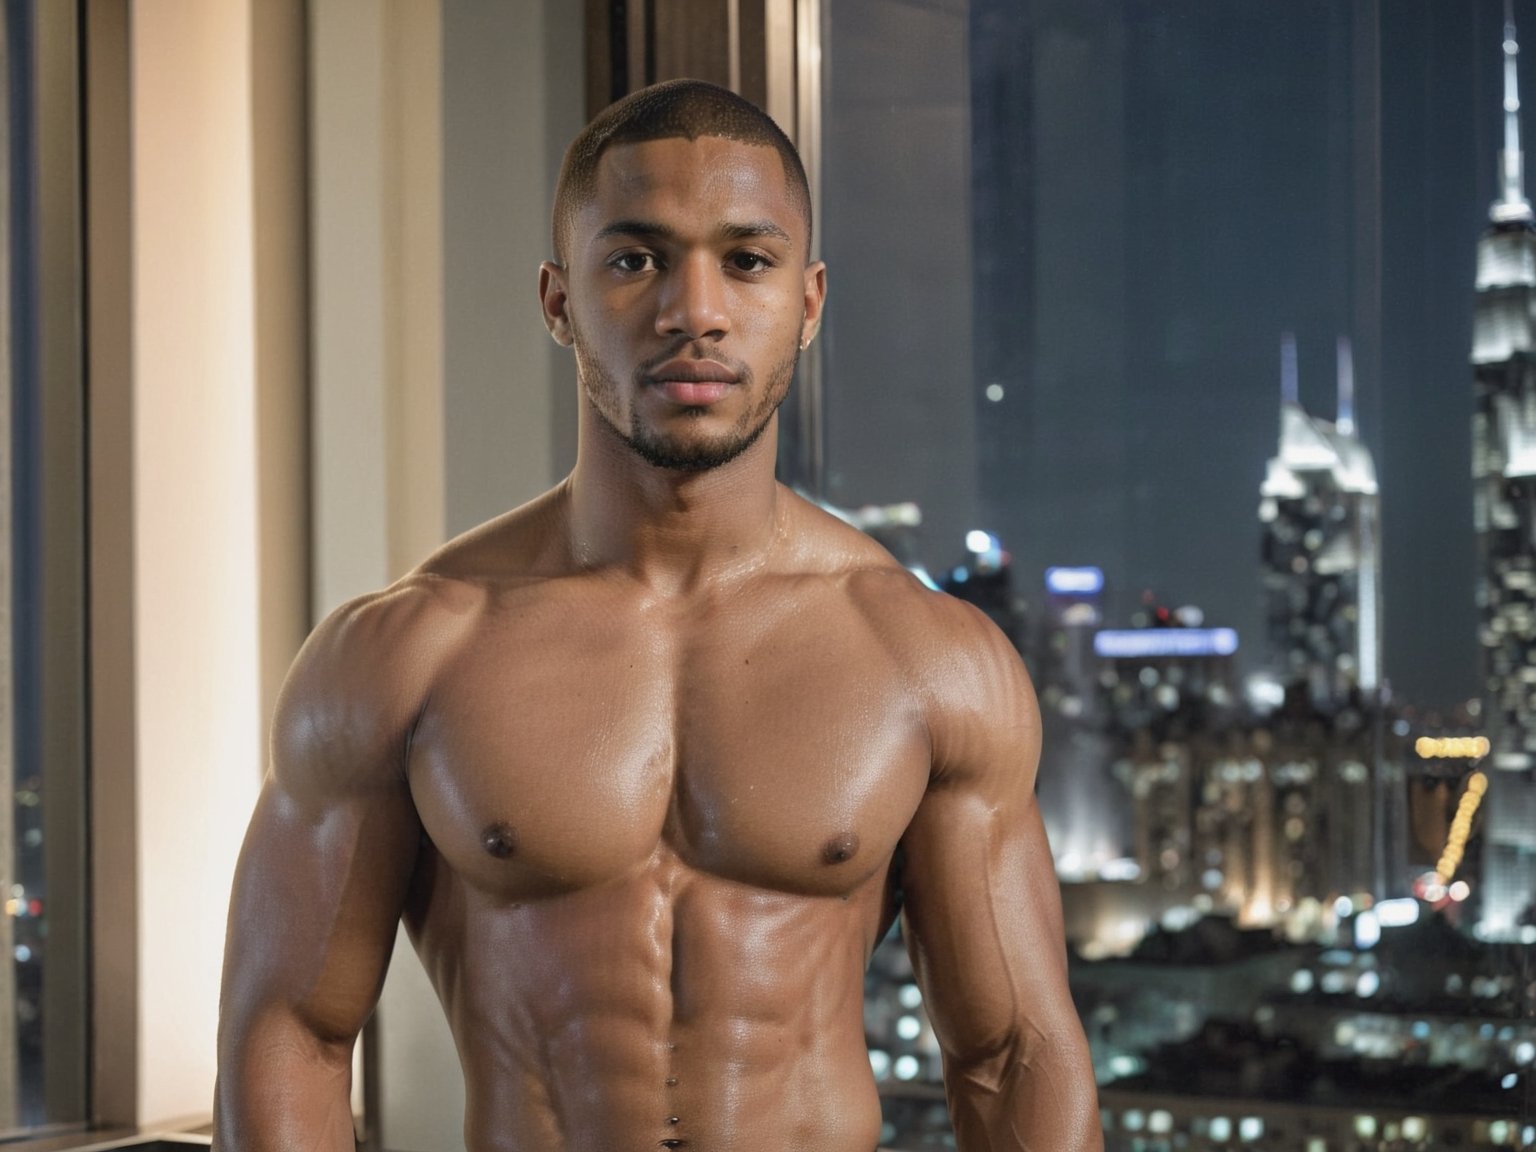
650, 765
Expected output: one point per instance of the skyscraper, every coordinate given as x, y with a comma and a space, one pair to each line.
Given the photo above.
1322, 547
1504, 516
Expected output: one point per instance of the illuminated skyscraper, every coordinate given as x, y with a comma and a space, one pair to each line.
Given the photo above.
1322, 547
1504, 516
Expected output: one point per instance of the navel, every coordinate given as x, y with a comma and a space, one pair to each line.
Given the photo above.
840, 849
498, 840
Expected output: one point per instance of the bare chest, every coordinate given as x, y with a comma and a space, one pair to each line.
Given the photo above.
558, 754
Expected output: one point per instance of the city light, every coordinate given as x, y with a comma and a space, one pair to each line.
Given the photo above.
1074, 581
981, 542
1133, 643
1397, 913
1461, 827
1452, 748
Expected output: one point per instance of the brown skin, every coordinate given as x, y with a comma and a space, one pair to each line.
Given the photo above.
633, 763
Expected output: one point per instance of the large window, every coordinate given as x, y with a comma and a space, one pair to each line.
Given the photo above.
42, 810
1162, 313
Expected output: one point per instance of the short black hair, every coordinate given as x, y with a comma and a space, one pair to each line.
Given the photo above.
675, 108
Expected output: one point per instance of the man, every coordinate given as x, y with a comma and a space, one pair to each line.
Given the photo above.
634, 761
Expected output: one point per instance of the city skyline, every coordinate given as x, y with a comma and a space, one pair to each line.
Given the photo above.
1313, 168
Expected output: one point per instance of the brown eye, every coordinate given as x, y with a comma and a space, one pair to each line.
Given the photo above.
633, 262
750, 262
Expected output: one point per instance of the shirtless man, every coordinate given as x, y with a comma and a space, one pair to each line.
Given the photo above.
650, 765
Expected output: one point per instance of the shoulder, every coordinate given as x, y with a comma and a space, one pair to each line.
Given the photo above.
975, 695
351, 700
964, 674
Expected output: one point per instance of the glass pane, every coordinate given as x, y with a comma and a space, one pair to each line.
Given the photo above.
42, 856
1186, 327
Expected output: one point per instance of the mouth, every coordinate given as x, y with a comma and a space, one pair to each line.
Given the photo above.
692, 383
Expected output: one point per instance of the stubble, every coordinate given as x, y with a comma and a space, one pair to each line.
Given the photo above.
691, 453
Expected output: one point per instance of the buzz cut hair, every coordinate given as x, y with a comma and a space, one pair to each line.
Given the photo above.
675, 108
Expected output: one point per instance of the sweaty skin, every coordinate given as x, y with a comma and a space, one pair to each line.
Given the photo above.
633, 762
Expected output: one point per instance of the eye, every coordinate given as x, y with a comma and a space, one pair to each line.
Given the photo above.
749, 261
633, 261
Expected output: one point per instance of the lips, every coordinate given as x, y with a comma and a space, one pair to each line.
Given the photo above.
692, 383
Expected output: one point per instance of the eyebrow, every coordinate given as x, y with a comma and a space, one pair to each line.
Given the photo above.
651, 230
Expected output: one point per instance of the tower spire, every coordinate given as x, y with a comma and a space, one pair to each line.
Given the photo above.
1289, 392
1511, 204
1346, 420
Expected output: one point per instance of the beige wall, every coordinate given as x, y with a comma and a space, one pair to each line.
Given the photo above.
438, 398
233, 303
198, 720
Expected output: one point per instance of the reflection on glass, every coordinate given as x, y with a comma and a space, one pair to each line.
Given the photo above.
42, 857
9, 1020
1065, 241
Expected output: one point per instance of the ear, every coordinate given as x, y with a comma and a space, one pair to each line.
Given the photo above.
554, 300
815, 298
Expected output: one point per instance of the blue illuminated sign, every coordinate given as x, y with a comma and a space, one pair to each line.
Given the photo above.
1074, 581
1142, 642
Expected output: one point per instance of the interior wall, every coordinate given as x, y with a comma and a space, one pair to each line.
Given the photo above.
435, 133
511, 99
196, 575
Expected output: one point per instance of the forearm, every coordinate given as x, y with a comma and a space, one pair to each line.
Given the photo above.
280, 1089
1042, 1100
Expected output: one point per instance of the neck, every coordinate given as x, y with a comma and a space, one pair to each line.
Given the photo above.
672, 529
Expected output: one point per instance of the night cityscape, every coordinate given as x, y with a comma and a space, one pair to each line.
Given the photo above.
1299, 886
1225, 414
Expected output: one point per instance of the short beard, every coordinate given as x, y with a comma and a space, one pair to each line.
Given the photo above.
662, 451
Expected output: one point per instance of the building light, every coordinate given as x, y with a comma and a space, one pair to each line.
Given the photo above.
1086, 581
1133, 643
981, 542
1451, 747
1397, 913
1367, 930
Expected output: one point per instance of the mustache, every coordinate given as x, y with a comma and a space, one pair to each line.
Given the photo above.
692, 350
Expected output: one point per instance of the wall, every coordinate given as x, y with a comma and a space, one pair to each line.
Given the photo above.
196, 619
439, 400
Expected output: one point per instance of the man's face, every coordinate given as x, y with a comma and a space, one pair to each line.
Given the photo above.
687, 296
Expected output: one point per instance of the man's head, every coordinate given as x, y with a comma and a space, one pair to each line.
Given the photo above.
685, 109
682, 227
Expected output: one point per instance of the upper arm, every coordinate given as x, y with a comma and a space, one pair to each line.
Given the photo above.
982, 912
329, 854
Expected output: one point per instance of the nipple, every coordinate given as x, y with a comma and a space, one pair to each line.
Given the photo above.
497, 839
840, 848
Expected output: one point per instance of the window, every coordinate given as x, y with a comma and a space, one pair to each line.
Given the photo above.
42, 604
1162, 315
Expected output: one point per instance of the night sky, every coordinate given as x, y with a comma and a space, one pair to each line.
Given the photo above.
1112, 209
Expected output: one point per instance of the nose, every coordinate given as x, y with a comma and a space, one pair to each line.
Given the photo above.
693, 300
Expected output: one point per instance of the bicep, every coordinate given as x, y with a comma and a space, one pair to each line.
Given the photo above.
982, 919
318, 892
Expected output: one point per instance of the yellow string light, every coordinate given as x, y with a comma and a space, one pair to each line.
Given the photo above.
1452, 747
1461, 826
